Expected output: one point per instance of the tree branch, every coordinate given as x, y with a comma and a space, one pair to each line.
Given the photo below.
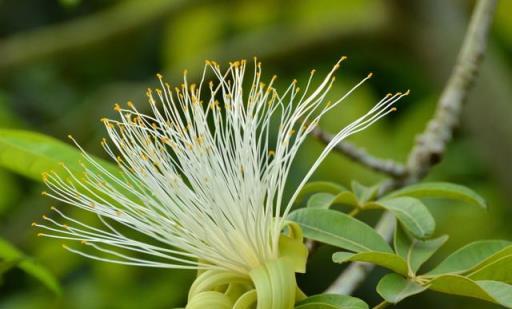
359, 155
82, 32
431, 144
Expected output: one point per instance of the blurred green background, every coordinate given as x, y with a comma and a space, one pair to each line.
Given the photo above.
63, 64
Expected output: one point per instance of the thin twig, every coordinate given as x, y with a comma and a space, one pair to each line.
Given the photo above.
431, 144
359, 155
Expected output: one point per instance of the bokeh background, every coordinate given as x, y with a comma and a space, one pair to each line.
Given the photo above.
63, 64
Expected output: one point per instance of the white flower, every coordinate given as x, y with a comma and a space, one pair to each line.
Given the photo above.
203, 174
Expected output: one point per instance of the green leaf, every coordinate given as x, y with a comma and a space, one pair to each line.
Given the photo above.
498, 270
30, 154
492, 291
338, 229
319, 186
468, 257
321, 200
331, 301
394, 288
413, 215
503, 253
440, 190
9, 252
363, 193
388, 260
415, 251
326, 200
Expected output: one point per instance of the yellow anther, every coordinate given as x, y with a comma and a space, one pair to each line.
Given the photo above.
159, 75
34, 224
370, 75
271, 153
117, 107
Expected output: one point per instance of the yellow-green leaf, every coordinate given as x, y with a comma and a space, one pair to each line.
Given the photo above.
9, 253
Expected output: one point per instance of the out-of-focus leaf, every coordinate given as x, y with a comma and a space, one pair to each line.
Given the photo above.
9, 191
9, 252
320, 200
6, 265
326, 200
319, 186
440, 190
331, 301
388, 260
415, 251
338, 229
394, 288
492, 291
363, 193
414, 216
469, 256
30, 154
184, 39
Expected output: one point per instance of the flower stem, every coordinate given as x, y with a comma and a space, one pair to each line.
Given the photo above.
354, 212
381, 305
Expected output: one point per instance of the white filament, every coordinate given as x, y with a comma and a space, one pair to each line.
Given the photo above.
202, 177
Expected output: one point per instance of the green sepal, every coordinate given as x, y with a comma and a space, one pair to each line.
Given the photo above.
210, 299
246, 300
292, 247
213, 279
275, 284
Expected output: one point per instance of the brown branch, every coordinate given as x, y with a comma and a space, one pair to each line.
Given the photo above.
431, 144
359, 155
